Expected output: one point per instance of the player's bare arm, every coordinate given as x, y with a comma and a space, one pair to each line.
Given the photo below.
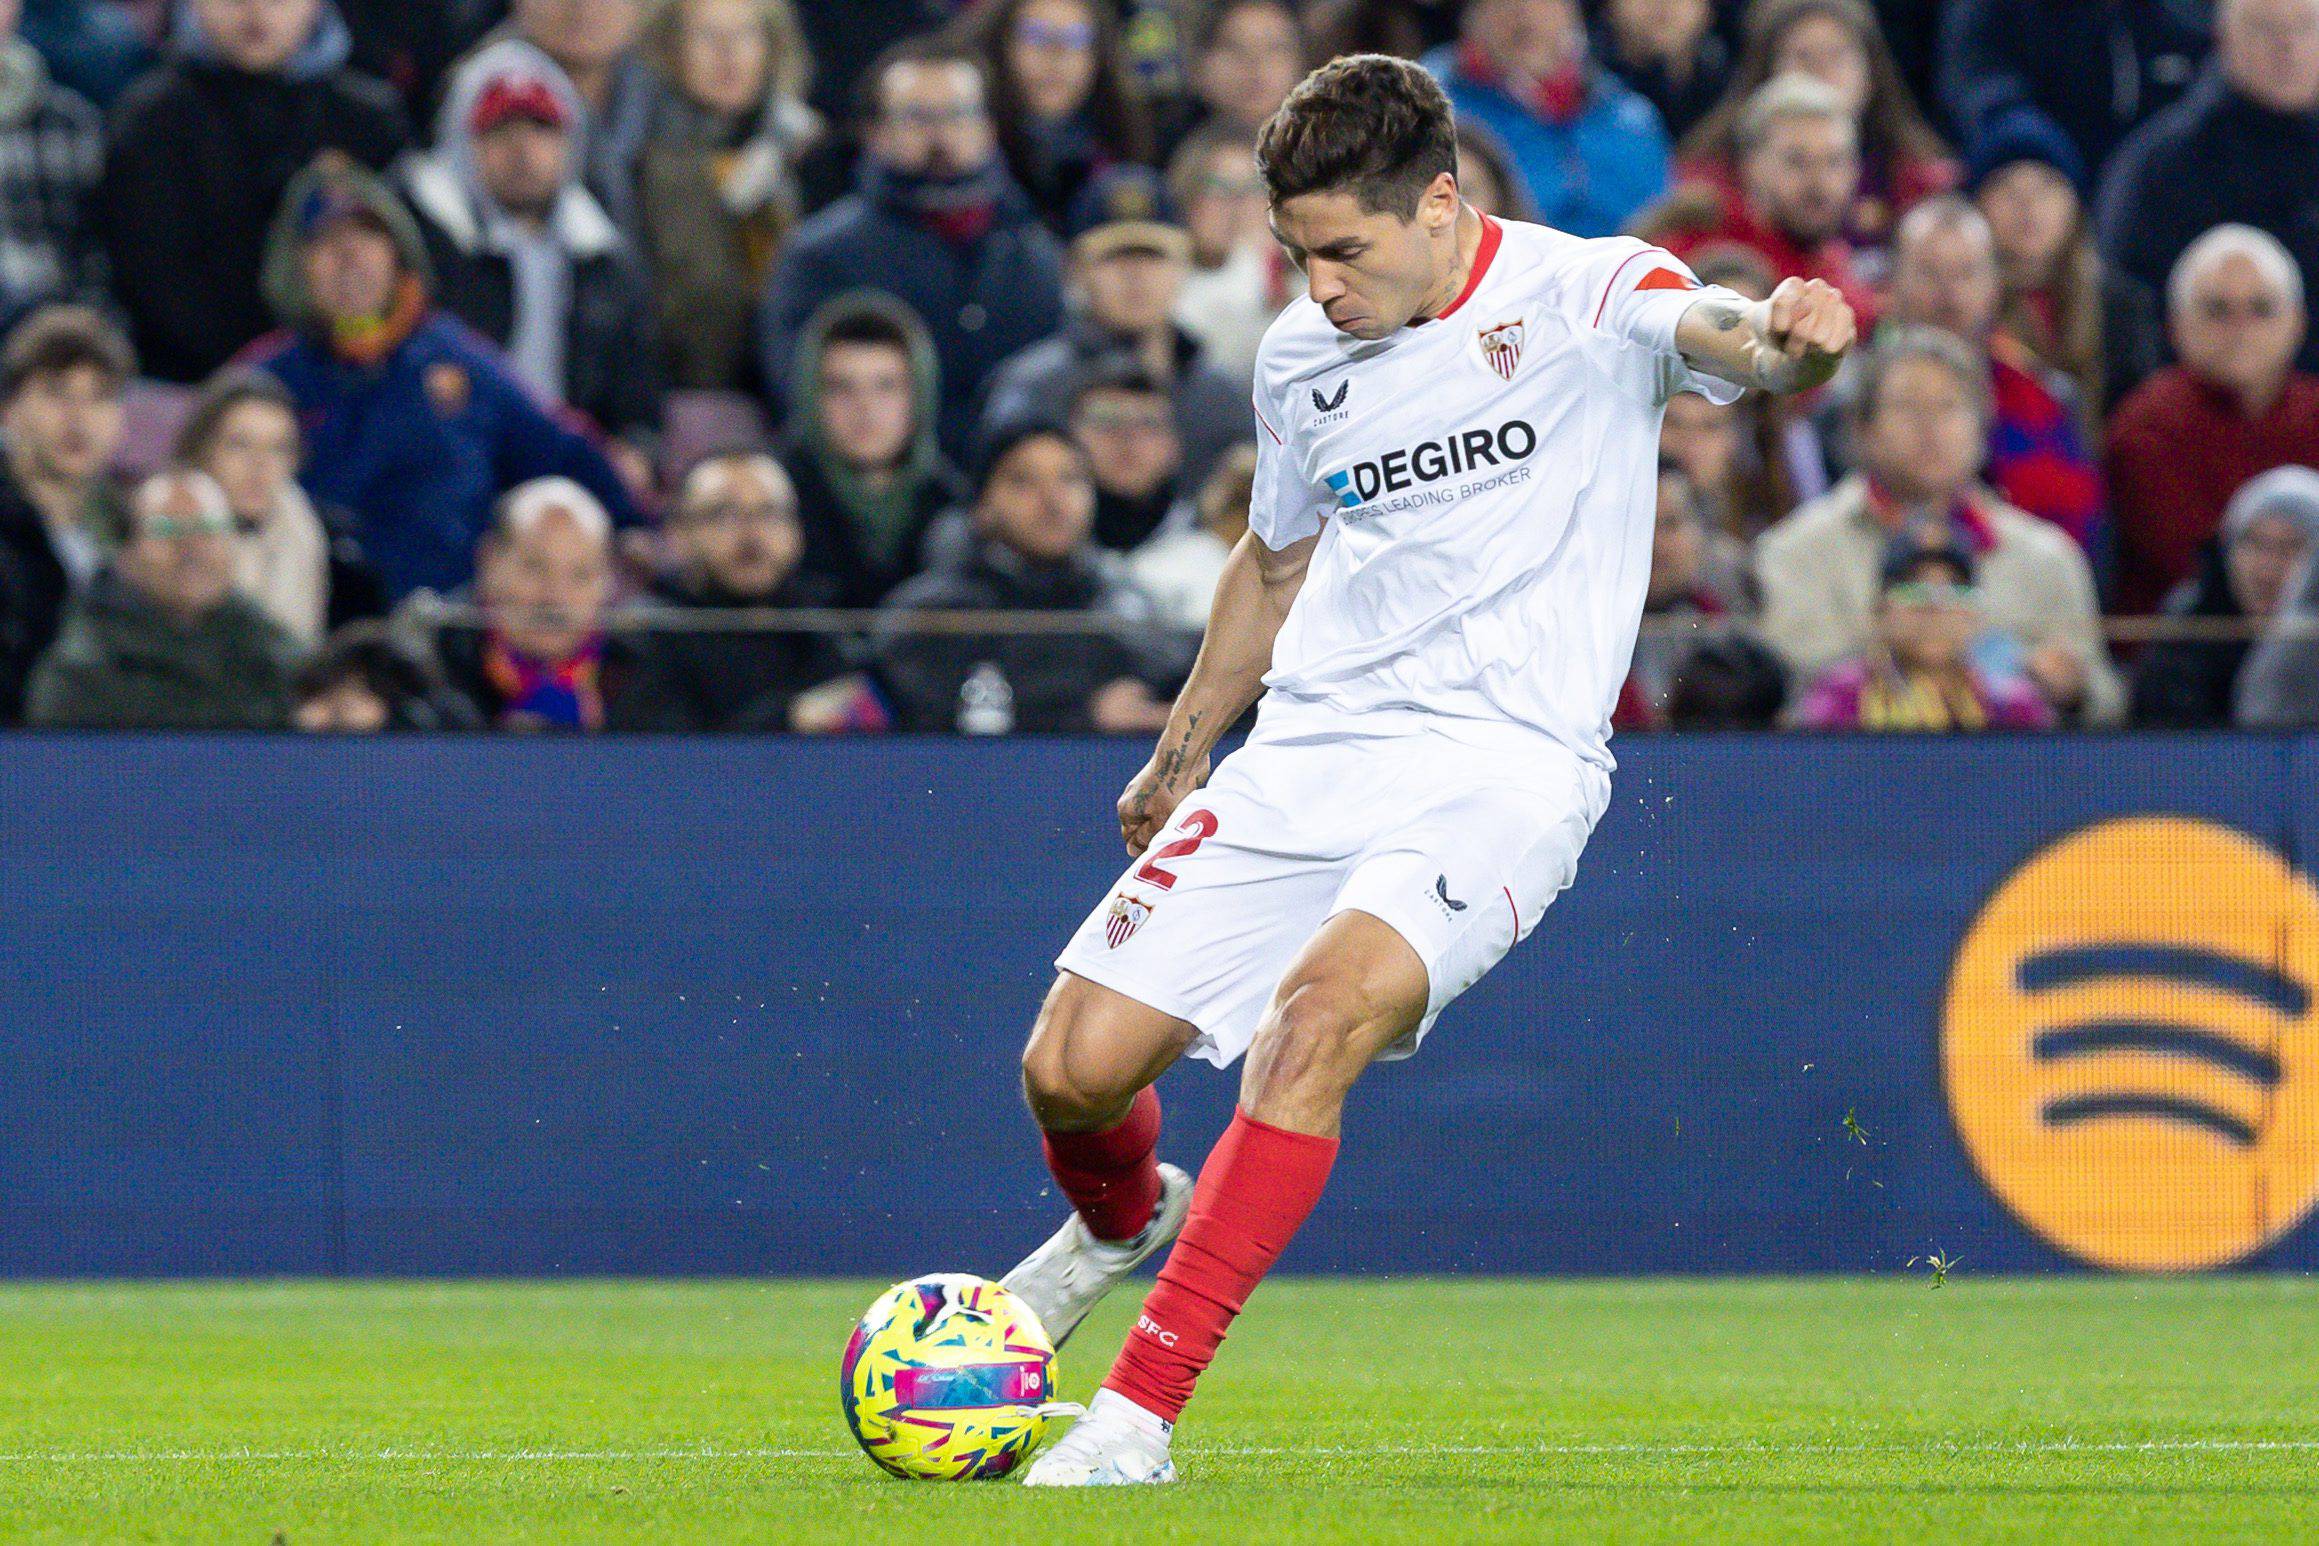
1791, 341
1252, 601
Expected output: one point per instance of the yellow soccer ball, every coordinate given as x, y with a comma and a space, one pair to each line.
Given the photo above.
944, 1379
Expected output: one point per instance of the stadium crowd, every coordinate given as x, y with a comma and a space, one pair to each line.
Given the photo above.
885, 364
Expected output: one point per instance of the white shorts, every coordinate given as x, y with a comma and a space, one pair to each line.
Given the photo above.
1458, 849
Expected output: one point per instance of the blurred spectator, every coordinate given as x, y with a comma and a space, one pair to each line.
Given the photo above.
2098, 69
594, 43
2276, 577
1669, 51
2242, 147
1409, 28
202, 150
936, 222
1589, 151
1922, 415
52, 152
1239, 278
525, 255
1247, 56
2268, 533
2075, 313
1029, 552
1486, 176
1060, 94
734, 542
2187, 438
1798, 162
161, 640
1731, 455
363, 681
1944, 275
861, 451
409, 44
846, 41
716, 186
1727, 683
543, 658
1121, 419
62, 376
413, 424
243, 432
1129, 260
1921, 675
97, 50
1683, 593
1836, 42
1179, 567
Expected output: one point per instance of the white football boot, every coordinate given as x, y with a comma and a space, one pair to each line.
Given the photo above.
1069, 1275
1117, 1444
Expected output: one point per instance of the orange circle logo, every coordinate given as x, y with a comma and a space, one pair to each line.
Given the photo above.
2131, 1045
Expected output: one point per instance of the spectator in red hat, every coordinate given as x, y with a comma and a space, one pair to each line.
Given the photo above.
525, 255
1129, 261
202, 151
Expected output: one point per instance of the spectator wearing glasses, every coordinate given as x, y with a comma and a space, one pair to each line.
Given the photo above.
936, 222
2241, 148
2186, 440
162, 640
2255, 574
1061, 94
1921, 417
1921, 675
1121, 418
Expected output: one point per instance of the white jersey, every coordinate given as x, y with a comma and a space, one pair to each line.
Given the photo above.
1485, 485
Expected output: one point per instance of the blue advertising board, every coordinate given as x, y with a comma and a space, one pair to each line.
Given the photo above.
450, 1006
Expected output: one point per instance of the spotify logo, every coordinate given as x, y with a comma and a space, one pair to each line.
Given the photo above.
2130, 1044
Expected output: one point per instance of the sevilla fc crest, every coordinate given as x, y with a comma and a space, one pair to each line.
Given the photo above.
1502, 347
1126, 916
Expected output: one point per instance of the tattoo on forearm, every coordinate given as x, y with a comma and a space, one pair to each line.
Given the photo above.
1173, 760
1722, 316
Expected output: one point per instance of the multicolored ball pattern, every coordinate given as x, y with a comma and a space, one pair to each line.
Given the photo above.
944, 1377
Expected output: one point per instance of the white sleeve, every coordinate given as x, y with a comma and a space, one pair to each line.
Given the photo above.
1639, 301
1283, 508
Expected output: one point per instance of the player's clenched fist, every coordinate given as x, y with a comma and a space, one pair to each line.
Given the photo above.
1808, 319
1152, 796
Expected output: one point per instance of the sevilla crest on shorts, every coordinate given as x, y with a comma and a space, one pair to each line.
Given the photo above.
1502, 347
1126, 916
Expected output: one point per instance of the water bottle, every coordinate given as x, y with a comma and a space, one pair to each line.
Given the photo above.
986, 704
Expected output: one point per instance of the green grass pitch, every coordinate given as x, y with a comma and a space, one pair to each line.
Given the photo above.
1410, 1410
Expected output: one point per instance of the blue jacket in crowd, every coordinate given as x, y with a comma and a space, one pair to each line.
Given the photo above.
419, 448
1587, 176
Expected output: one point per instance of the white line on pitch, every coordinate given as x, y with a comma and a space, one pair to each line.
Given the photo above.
1800, 1449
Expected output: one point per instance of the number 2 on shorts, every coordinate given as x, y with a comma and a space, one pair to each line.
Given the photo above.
1198, 828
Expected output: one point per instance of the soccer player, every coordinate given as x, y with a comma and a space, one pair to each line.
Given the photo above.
1458, 433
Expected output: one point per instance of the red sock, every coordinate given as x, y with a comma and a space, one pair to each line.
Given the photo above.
1111, 1176
1254, 1193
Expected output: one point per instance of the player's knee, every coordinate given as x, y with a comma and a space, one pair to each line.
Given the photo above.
1060, 1084
1313, 1036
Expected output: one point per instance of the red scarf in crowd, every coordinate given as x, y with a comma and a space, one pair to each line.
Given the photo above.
536, 694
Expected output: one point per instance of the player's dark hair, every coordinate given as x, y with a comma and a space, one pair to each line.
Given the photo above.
1370, 125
